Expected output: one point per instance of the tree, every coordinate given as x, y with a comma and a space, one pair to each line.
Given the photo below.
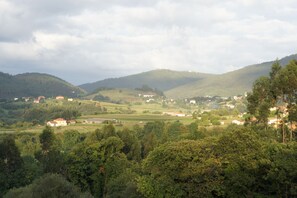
109, 131
83, 167
93, 166
279, 89
259, 101
50, 185
51, 157
241, 155
194, 134
47, 138
281, 172
227, 166
151, 136
132, 147
180, 169
124, 185
275, 70
11, 165
286, 83
71, 138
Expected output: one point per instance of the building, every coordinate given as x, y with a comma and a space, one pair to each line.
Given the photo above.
60, 98
148, 96
150, 100
57, 122
26, 99
39, 99
174, 114
192, 101
237, 122
230, 106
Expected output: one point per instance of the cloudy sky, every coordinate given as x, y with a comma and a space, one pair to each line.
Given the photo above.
88, 40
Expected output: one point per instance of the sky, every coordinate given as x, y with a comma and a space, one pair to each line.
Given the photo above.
89, 40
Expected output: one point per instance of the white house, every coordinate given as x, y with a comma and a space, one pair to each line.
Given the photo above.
57, 122
237, 122
148, 96
150, 100
60, 98
192, 101
174, 114
230, 106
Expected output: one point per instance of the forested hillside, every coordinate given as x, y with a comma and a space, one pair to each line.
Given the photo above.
35, 84
161, 79
228, 84
181, 85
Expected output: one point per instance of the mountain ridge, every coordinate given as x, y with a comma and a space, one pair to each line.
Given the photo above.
36, 84
192, 84
174, 84
230, 83
162, 79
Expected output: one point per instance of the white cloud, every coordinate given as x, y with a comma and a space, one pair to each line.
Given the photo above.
55, 41
99, 39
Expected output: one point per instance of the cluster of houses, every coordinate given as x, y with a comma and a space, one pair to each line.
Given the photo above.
59, 122
148, 97
40, 99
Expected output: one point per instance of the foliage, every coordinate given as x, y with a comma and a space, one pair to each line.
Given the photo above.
11, 165
50, 156
237, 163
50, 185
41, 115
160, 159
278, 90
101, 98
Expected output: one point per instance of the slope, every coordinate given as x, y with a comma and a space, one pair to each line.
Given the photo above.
227, 84
35, 84
161, 79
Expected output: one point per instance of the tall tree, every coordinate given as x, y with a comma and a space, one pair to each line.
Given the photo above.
50, 156
260, 100
11, 165
47, 138
286, 83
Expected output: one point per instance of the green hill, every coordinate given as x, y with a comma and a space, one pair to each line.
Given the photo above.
228, 84
35, 84
177, 84
161, 79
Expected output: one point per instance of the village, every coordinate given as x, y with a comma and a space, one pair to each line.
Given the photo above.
207, 111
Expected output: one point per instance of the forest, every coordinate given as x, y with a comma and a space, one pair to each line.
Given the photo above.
164, 159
